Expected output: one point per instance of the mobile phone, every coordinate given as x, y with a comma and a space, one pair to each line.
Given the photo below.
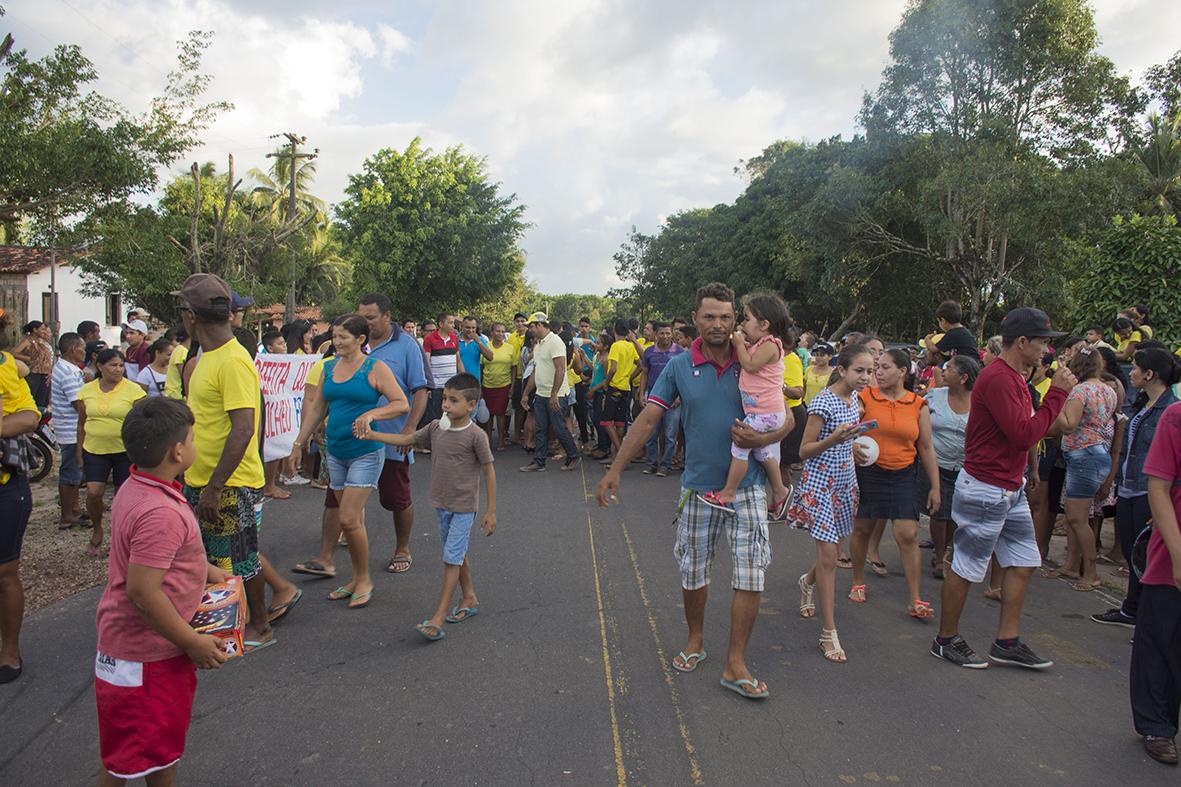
866, 426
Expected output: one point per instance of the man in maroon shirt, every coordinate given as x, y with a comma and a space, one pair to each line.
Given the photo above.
990, 508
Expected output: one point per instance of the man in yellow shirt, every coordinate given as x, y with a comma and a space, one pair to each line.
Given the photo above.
225, 482
622, 361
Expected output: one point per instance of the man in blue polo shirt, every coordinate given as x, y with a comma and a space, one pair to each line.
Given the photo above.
388, 343
705, 379
653, 361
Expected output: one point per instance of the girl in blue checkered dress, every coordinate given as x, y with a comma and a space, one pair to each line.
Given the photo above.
826, 498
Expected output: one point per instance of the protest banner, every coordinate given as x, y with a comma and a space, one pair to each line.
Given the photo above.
282, 379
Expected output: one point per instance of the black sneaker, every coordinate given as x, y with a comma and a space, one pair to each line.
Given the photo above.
959, 653
1020, 655
1114, 617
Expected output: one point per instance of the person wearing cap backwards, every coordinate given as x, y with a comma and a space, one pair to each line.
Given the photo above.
990, 507
546, 394
225, 481
136, 331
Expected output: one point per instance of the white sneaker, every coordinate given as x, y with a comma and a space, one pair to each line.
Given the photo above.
295, 480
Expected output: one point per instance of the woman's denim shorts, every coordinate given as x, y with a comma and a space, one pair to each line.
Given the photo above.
360, 471
1086, 469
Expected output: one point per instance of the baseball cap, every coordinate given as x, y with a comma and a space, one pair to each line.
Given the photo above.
137, 325
537, 317
1027, 321
240, 302
823, 348
205, 291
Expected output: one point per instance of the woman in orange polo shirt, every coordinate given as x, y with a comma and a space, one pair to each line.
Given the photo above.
889, 487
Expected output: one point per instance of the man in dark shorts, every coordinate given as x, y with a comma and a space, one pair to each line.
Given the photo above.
400, 352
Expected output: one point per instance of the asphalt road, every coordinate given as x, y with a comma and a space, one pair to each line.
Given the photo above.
564, 676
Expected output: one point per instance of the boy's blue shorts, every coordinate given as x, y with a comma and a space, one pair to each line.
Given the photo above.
455, 528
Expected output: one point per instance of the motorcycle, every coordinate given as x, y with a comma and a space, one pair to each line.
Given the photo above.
44, 448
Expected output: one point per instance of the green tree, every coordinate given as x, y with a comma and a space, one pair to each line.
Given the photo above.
430, 230
68, 152
1007, 94
1161, 158
1133, 261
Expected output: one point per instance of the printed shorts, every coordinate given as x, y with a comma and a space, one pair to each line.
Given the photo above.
761, 422
698, 528
231, 543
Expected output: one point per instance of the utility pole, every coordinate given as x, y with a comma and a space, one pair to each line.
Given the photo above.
293, 156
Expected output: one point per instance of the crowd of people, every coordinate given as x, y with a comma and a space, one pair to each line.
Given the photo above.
763, 424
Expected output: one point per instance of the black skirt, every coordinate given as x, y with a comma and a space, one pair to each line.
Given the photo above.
888, 494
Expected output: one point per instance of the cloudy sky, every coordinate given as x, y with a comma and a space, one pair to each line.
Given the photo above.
598, 114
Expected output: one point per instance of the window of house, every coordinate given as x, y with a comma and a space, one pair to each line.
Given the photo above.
115, 309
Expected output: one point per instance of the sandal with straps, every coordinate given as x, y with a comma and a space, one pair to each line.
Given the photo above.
920, 609
807, 604
857, 594
830, 646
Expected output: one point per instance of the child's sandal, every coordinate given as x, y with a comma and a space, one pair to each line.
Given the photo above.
830, 646
807, 605
920, 609
857, 594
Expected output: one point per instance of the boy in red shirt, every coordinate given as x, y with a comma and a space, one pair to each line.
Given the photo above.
145, 671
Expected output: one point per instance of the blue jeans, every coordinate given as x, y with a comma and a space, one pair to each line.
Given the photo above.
669, 424
545, 418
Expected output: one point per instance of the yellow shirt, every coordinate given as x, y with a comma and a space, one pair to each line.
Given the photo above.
793, 377
172, 376
1042, 387
625, 356
1135, 337
815, 382
15, 391
517, 340
644, 344
105, 411
315, 373
225, 379
498, 372
573, 378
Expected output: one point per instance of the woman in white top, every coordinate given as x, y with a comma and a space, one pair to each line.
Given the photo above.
949, 407
151, 377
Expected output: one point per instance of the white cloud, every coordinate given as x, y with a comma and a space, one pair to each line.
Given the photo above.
599, 114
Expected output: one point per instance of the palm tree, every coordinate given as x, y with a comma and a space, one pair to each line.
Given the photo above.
1162, 158
324, 272
271, 193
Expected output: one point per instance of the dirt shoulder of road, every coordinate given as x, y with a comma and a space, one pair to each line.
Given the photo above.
54, 565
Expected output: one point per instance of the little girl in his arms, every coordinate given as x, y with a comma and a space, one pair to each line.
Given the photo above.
761, 384
827, 497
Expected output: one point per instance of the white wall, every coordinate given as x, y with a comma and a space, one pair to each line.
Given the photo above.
74, 307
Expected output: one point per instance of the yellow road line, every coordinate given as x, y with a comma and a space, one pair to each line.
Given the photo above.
694, 766
620, 771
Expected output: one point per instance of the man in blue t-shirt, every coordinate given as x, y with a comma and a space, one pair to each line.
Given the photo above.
706, 381
653, 361
388, 343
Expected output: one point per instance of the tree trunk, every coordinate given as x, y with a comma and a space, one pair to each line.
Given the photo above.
853, 315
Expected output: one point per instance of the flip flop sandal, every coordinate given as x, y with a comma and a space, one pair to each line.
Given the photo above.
279, 611
920, 610
366, 596
844, 562
426, 626
737, 686
340, 594
713, 500
878, 567
1085, 587
857, 594
460, 614
400, 560
251, 645
696, 657
313, 568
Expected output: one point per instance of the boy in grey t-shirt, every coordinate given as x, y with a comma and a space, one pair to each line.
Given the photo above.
459, 454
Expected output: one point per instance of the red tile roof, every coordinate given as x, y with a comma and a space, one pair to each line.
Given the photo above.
27, 259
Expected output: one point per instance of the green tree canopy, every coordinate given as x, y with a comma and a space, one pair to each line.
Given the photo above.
429, 230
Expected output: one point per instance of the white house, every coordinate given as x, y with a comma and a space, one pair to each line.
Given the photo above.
32, 280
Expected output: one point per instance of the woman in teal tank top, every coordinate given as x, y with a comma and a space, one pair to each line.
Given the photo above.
351, 393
